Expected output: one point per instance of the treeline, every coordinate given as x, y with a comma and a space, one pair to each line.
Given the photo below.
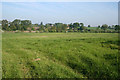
26, 25
15, 25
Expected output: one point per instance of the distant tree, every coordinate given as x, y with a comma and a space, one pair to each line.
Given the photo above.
104, 27
42, 28
5, 25
88, 25
81, 24
50, 24
82, 27
58, 27
36, 25
99, 26
109, 27
70, 30
17, 24
75, 25
117, 27
41, 23
25, 24
33, 29
12, 26
70, 26
47, 25
53, 29
64, 27
47, 28
113, 27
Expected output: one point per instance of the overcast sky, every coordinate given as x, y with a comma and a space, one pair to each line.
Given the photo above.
93, 13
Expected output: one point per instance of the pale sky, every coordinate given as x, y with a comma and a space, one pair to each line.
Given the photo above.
59, 0
93, 13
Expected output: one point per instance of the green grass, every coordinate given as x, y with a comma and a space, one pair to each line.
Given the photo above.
60, 55
92, 28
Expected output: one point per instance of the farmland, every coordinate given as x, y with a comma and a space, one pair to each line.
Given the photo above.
60, 55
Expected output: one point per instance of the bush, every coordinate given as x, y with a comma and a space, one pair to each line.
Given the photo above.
37, 31
17, 31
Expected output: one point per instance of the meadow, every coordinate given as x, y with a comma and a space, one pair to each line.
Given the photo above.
60, 55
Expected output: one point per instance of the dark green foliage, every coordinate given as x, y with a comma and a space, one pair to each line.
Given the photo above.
117, 28
104, 27
5, 25
26, 25
12, 26
33, 29
76, 25
88, 25
16, 25
82, 27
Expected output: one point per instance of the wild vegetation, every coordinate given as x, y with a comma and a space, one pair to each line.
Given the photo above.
26, 25
60, 55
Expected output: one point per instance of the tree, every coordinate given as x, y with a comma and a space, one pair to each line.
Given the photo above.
104, 27
81, 24
98, 26
5, 25
42, 29
17, 24
117, 27
82, 27
25, 24
64, 27
12, 26
75, 25
41, 23
70, 26
48, 28
47, 25
113, 26
88, 25
53, 29
109, 27
36, 25
33, 29
58, 27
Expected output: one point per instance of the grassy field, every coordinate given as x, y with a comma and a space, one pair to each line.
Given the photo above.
92, 27
60, 55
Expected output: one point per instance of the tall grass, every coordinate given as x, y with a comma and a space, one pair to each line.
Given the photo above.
60, 55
